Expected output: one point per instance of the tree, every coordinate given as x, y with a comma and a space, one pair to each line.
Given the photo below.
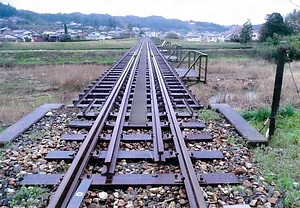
172, 35
129, 26
293, 20
246, 33
7, 10
66, 29
112, 23
27, 39
274, 25
65, 37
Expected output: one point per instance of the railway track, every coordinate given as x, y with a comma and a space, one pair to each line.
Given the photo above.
138, 112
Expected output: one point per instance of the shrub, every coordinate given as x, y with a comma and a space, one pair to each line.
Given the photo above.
265, 51
258, 114
262, 113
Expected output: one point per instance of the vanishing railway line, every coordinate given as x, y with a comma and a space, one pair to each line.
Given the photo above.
140, 99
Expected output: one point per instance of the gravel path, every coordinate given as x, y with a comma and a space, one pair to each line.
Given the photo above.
26, 156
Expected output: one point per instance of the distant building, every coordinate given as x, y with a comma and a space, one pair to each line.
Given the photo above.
9, 38
6, 30
194, 37
95, 36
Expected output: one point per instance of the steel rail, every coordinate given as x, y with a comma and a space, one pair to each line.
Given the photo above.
158, 145
188, 107
114, 144
68, 185
102, 77
192, 186
178, 78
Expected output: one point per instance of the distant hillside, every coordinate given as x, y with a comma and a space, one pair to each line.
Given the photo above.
96, 20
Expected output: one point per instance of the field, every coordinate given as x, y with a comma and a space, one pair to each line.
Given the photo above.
32, 74
246, 83
87, 45
58, 72
203, 45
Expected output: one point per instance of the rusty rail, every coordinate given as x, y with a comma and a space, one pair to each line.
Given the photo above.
113, 148
67, 186
189, 177
157, 135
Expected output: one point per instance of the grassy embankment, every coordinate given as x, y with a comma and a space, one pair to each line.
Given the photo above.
247, 84
44, 53
32, 74
280, 161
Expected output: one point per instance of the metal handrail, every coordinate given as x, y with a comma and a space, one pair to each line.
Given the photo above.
177, 51
196, 60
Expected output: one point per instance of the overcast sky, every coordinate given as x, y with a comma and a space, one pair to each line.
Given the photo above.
224, 12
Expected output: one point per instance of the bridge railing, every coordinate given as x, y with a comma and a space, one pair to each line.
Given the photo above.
195, 60
165, 47
176, 53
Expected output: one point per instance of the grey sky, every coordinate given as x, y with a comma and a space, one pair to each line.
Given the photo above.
217, 11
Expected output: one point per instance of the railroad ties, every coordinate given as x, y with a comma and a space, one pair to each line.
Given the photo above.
139, 99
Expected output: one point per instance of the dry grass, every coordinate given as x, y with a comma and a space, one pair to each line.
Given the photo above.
68, 77
246, 84
23, 89
242, 84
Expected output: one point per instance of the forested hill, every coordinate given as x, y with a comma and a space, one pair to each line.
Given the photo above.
95, 20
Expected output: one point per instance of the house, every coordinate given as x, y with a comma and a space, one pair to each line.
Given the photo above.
73, 23
9, 38
95, 36
194, 37
76, 34
6, 30
54, 37
136, 30
22, 32
37, 38
214, 38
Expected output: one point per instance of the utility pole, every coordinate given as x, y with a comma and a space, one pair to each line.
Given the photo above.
277, 90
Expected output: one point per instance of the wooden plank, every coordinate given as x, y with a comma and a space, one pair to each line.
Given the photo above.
26, 122
240, 124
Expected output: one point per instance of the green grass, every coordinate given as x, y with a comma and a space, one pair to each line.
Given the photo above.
208, 115
83, 45
262, 113
50, 57
29, 196
280, 161
205, 45
49, 53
